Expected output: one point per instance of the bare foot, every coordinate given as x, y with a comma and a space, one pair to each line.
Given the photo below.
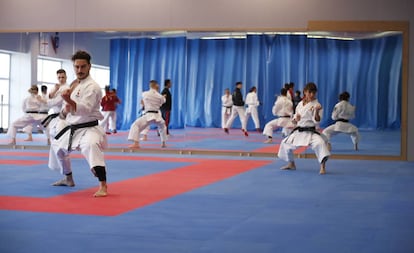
289, 166
28, 139
268, 141
102, 192
13, 142
322, 171
134, 146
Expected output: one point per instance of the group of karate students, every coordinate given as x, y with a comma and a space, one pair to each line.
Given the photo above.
74, 115
72, 122
300, 123
40, 110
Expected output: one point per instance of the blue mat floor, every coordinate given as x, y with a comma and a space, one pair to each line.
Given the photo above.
359, 206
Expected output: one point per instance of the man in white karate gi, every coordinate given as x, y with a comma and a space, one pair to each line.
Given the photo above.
82, 132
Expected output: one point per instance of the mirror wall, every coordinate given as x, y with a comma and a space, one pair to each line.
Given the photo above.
202, 64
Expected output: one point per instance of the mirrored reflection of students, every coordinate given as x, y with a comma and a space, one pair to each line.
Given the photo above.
283, 109
342, 113
252, 103
237, 110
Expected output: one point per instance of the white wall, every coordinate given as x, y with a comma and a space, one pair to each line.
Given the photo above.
86, 15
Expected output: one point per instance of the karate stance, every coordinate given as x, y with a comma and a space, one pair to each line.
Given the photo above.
252, 103
55, 102
237, 109
43, 111
152, 100
81, 112
307, 116
227, 104
283, 109
342, 113
33, 116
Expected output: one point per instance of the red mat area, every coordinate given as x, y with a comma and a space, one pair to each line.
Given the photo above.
20, 162
134, 193
275, 148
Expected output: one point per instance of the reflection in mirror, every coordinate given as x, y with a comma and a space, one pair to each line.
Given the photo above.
201, 65
369, 67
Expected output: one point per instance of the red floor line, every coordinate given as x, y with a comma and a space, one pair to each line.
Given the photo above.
20, 162
134, 193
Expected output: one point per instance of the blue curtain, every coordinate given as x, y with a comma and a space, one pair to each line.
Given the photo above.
200, 70
273, 61
213, 65
369, 69
134, 62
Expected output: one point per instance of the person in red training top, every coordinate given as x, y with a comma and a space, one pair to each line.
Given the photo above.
109, 103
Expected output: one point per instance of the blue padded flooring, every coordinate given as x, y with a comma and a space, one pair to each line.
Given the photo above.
359, 206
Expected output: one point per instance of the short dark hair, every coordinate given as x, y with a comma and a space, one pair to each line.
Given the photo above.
283, 91
43, 88
239, 83
344, 96
311, 87
167, 82
82, 55
60, 71
252, 89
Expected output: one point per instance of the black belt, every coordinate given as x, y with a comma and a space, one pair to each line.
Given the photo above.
49, 118
284, 116
73, 128
37, 112
151, 112
306, 129
342, 120
228, 106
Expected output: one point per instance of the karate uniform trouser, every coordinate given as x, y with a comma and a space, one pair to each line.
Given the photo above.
91, 141
279, 122
252, 111
284, 122
237, 110
29, 128
146, 130
317, 143
143, 122
27, 121
55, 125
330, 131
225, 115
109, 120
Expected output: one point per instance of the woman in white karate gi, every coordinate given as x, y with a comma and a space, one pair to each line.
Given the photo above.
307, 117
252, 103
342, 113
